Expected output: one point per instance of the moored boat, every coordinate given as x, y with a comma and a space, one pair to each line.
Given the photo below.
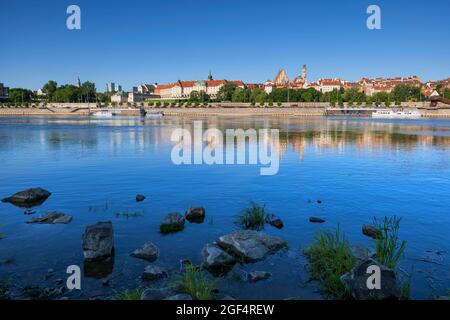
391, 114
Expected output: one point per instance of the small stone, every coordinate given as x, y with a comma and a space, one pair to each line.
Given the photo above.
49, 274
216, 260
255, 276
316, 220
54, 217
195, 215
173, 222
274, 221
371, 231
149, 252
359, 252
140, 198
319, 201
154, 272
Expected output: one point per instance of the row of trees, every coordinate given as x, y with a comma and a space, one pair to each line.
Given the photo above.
231, 92
65, 93
70, 93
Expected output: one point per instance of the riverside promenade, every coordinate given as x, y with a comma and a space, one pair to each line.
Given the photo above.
217, 110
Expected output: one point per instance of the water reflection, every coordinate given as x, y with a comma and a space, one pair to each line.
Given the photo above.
297, 134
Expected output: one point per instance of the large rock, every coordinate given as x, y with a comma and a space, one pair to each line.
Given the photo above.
356, 282
173, 222
154, 272
148, 252
52, 218
98, 241
371, 231
195, 214
28, 198
250, 245
274, 221
216, 260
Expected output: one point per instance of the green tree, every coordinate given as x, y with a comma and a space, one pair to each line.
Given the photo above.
49, 89
88, 92
446, 94
19, 95
226, 91
241, 95
258, 96
406, 93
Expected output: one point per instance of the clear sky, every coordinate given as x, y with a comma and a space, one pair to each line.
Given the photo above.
144, 41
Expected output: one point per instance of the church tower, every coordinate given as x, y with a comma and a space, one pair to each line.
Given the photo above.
210, 77
304, 73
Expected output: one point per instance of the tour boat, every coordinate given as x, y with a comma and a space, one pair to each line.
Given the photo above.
154, 114
103, 114
391, 114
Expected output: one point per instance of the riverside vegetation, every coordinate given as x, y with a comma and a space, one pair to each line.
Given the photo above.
330, 256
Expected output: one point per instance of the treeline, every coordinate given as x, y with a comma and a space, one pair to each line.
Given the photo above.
231, 92
54, 93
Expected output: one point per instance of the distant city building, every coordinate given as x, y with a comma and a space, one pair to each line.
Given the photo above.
268, 86
112, 88
146, 89
135, 97
329, 85
183, 89
4, 92
119, 97
281, 78
375, 85
78, 82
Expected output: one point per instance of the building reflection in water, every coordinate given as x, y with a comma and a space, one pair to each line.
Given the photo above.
295, 134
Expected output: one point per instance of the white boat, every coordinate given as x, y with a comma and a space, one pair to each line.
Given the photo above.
105, 114
391, 114
155, 114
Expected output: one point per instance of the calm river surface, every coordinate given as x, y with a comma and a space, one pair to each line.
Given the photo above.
359, 168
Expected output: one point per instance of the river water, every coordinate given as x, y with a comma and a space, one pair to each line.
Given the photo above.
359, 168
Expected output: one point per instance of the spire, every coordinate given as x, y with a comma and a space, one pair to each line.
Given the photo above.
78, 82
210, 77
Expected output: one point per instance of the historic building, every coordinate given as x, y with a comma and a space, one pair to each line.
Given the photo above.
183, 89
281, 78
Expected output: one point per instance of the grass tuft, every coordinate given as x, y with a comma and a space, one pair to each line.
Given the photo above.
129, 294
252, 217
196, 283
129, 214
388, 248
330, 257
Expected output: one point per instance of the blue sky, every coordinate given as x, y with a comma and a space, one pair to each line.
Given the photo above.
132, 42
